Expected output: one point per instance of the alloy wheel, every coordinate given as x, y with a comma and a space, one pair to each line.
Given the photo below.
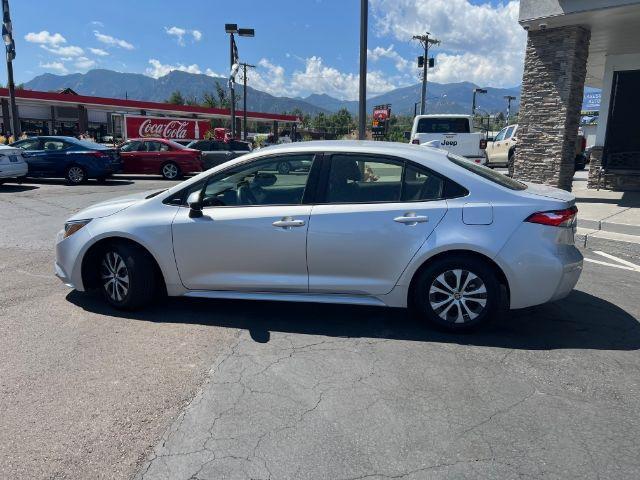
75, 175
115, 276
170, 171
458, 296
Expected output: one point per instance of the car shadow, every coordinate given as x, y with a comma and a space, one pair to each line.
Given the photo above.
16, 188
581, 321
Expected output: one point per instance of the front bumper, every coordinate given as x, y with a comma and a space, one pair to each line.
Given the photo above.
69, 254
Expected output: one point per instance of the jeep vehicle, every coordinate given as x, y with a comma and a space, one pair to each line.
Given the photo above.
452, 132
217, 152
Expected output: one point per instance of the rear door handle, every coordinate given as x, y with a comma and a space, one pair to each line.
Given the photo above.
410, 218
288, 222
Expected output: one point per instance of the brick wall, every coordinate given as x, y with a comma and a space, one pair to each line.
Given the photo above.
621, 180
552, 87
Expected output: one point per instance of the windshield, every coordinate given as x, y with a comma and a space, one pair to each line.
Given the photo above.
487, 173
443, 125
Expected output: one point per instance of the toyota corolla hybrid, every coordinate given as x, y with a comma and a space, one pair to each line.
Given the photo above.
368, 223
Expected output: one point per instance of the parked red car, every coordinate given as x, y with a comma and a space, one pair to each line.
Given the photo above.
157, 156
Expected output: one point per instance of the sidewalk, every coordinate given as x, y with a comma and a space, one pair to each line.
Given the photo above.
608, 221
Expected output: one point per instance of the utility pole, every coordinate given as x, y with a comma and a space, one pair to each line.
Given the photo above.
362, 97
10, 44
509, 98
244, 98
426, 43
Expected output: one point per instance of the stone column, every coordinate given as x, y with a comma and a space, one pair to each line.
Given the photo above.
552, 87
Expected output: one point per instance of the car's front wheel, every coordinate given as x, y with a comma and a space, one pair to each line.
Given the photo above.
458, 293
127, 276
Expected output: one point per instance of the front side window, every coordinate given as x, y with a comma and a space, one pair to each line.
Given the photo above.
29, 144
509, 133
500, 135
259, 183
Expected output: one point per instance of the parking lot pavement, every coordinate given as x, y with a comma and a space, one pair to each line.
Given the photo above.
83, 393
316, 392
297, 391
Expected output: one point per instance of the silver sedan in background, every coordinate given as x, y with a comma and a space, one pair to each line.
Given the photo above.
368, 223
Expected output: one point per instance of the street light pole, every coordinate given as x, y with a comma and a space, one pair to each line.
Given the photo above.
426, 43
7, 36
509, 98
232, 28
362, 97
473, 104
244, 98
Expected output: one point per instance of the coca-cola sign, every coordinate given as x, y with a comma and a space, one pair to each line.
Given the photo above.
169, 128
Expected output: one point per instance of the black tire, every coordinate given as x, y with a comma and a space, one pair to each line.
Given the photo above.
170, 171
430, 304
284, 168
127, 276
75, 175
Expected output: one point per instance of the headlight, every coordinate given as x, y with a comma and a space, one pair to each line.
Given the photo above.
73, 226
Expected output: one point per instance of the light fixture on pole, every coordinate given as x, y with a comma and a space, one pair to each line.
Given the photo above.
509, 98
473, 104
231, 29
10, 46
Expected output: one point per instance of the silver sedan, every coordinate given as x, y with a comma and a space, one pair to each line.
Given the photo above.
369, 223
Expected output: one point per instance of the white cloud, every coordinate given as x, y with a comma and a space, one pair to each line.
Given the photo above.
112, 41
97, 23
84, 63
64, 51
180, 33
211, 73
45, 38
99, 52
159, 69
489, 36
57, 67
401, 63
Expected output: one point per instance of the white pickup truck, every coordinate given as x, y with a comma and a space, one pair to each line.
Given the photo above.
452, 132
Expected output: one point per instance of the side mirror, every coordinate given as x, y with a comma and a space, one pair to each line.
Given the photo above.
195, 204
407, 136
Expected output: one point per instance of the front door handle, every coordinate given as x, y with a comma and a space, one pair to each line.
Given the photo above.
410, 218
288, 222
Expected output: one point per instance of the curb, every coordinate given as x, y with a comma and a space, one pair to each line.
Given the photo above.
611, 242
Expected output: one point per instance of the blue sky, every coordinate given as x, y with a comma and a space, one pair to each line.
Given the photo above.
301, 46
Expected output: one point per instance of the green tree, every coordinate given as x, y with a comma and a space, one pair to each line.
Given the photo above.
176, 98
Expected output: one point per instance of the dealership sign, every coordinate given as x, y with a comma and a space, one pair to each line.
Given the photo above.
169, 128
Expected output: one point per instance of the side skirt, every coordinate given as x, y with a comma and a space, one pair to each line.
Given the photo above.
289, 297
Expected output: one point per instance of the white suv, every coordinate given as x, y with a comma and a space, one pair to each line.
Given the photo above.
500, 151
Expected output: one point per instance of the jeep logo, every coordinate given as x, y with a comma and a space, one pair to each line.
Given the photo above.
451, 143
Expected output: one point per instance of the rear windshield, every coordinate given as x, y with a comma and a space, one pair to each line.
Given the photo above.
443, 125
487, 173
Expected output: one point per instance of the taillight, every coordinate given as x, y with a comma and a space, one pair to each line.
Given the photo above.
483, 143
416, 141
555, 218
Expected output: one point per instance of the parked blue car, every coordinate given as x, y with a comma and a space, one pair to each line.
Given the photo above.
70, 158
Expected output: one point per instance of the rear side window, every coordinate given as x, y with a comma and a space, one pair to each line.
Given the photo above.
487, 173
54, 145
443, 125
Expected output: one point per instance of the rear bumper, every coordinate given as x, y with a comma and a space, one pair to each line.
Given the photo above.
13, 170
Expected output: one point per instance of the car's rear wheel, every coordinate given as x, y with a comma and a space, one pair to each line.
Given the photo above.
457, 294
170, 171
75, 175
127, 276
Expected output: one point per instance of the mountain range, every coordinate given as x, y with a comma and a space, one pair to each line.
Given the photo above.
441, 97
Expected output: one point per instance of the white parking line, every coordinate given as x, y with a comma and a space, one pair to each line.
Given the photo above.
619, 260
610, 264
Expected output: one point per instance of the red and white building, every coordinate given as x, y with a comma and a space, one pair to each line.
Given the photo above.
67, 113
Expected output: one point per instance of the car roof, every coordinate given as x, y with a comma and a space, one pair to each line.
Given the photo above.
444, 115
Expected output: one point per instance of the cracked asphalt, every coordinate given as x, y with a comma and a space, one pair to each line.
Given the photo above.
195, 389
